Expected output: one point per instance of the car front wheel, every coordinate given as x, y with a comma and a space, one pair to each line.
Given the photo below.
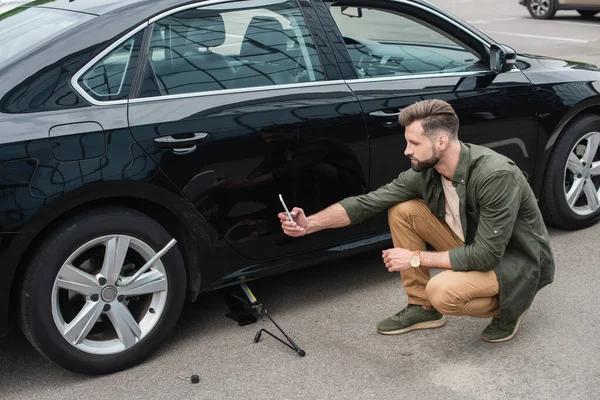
82, 304
570, 197
542, 9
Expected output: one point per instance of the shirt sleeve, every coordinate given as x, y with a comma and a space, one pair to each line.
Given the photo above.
401, 189
499, 200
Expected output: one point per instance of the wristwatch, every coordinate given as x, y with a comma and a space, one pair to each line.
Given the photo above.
415, 260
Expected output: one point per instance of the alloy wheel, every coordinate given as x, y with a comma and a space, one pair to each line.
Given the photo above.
582, 175
539, 7
92, 309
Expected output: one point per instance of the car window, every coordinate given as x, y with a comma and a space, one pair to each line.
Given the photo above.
383, 43
111, 77
227, 46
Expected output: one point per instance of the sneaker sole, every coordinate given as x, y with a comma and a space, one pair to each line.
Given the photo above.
438, 323
506, 339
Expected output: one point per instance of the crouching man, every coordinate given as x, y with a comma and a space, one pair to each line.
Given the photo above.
469, 203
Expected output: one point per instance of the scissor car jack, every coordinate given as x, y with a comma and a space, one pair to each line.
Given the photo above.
262, 312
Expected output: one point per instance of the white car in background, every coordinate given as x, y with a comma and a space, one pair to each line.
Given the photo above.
546, 9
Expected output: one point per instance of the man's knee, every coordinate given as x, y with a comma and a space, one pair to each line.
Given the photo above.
405, 209
441, 295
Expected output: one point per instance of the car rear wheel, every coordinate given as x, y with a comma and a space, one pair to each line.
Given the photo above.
81, 307
542, 9
571, 192
587, 13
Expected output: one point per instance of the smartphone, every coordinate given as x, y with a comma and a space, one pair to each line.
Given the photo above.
285, 208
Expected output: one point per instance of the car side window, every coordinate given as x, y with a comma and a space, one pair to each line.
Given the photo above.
383, 43
226, 46
111, 77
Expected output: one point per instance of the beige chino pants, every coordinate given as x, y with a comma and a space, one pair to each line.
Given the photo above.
471, 293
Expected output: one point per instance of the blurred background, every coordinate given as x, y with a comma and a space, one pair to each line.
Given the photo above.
568, 34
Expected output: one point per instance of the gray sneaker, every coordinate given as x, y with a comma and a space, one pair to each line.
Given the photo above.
412, 317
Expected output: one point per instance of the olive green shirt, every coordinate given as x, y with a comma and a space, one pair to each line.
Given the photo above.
502, 224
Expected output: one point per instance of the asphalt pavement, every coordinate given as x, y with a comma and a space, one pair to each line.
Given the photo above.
331, 310
567, 36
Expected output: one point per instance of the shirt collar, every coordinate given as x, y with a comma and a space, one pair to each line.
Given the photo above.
461, 174
462, 169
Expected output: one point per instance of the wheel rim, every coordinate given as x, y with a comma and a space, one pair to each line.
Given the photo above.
96, 315
582, 175
539, 7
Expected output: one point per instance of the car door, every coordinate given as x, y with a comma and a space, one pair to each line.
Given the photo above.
237, 106
402, 52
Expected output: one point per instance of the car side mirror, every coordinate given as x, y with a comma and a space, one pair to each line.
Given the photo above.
352, 12
502, 58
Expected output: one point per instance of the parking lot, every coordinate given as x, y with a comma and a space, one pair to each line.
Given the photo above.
331, 310
566, 36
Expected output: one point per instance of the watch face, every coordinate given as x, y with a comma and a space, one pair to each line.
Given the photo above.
414, 261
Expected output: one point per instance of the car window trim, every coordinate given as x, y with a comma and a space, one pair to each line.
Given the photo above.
238, 90
310, 84
187, 7
93, 61
425, 76
301, 85
198, 5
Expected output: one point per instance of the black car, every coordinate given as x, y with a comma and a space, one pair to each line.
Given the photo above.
144, 145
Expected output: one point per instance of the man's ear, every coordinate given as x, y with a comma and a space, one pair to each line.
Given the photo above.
442, 142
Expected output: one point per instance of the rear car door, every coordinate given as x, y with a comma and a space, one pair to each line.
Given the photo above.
236, 105
396, 53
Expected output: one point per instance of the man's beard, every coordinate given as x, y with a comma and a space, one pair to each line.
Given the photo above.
426, 164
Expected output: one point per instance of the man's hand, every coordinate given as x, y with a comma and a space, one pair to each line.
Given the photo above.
397, 259
295, 228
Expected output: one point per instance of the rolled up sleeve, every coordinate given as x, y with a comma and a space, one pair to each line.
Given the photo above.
401, 189
499, 199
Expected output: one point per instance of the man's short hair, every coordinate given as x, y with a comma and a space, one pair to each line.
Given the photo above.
436, 115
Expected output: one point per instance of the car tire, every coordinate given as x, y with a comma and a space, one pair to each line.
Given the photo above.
59, 299
587, 13
569, 197
542, 9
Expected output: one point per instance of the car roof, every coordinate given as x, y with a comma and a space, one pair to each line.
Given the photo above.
100, 7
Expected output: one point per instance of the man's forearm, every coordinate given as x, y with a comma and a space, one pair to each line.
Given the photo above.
436, 259
334, 216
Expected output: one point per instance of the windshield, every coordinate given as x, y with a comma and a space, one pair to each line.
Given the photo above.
22, 29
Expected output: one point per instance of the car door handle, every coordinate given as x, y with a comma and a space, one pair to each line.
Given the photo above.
180, 140
390, 119
383, 114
